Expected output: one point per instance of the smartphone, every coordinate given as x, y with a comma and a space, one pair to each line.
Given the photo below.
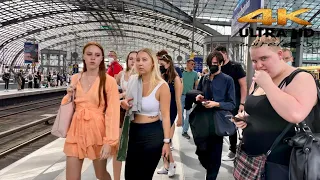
236, 119
204, 101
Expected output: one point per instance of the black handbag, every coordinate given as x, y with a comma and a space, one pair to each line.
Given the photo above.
222, 124
305, 155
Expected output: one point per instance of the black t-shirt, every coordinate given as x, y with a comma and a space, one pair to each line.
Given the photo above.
236, 71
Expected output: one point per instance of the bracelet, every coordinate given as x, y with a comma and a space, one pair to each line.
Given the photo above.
242, 104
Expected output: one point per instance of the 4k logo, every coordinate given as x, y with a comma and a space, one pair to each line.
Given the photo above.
282, 17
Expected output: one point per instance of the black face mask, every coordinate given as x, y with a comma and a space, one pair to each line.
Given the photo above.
214, 69
163, 70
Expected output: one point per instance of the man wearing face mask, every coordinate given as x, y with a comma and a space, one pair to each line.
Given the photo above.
218, 94
287, 56
115, 67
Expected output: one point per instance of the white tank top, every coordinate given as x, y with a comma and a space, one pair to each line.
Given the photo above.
150, 105
123, 82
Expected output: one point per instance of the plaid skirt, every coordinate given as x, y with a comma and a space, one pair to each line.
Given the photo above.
248, 167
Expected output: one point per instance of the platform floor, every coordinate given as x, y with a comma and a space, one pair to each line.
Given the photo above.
26, 92
48, 163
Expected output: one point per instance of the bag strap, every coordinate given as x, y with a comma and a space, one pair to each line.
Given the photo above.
74, 93
287, 81
205, 81
278, 139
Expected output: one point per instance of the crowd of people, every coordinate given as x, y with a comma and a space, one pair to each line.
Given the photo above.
153, 93
28, 79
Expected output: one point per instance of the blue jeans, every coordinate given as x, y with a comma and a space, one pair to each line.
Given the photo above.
185, 120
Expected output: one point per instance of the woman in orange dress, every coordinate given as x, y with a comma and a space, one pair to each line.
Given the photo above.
94, 131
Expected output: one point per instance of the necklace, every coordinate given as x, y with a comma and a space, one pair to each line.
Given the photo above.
90, 82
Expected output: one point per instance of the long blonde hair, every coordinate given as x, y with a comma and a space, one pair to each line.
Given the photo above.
155, 77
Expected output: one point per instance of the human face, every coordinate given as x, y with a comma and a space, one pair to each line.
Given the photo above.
287, 56
92, 57
266, 59
132, 59
112, 55
190, 65
163, 63
144, 63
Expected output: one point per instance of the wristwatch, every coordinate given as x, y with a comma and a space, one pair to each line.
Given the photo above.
167, 141
242, 104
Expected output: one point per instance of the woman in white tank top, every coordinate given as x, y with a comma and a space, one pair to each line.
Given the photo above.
149, 138
122, 81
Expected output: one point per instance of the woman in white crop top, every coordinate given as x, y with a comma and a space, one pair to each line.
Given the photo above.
149, 138
122, 81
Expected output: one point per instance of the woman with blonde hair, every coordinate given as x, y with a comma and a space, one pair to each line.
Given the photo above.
148, 139
122, 80
94, 131
270, 107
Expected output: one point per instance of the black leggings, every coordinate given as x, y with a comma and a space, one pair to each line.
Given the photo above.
144, 150
6, 84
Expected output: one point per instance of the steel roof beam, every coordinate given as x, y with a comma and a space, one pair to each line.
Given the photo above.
84, 22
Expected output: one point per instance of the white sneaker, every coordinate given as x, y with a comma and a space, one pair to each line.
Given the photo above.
172, 169
229, 157
162, 170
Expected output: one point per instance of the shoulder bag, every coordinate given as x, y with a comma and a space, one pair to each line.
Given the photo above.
222, 124
305, 155
64, 117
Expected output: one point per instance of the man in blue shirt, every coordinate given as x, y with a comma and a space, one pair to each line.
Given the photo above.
219, 93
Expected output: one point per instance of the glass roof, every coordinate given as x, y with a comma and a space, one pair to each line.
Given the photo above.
57, 24
123, 24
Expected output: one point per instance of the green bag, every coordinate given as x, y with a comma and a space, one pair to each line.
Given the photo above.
123, 146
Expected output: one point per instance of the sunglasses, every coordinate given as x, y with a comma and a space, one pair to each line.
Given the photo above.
165, 57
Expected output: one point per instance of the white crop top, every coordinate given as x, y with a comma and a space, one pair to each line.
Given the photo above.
150, 106
123, 82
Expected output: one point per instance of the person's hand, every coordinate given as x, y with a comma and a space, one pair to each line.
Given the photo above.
166, 150
179, 121
105, 151
125, 104
70, 90
199, 97
241, 108
262, 78
210, 104
240, 124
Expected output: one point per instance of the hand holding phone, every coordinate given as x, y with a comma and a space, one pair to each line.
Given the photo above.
204, 101
236, 119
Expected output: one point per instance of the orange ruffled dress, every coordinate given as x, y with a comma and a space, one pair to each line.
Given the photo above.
91, 127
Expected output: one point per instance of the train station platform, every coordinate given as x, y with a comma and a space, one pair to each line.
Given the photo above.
14, 96
48, 163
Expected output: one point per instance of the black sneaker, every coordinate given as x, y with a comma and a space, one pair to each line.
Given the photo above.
186, 135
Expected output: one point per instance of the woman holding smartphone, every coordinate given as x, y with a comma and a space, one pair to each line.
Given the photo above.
272, 105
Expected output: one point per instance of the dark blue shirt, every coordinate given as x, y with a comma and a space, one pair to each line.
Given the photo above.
222, 88
178, 70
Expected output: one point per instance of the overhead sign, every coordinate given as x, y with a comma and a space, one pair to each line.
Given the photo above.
243, 7
31, 52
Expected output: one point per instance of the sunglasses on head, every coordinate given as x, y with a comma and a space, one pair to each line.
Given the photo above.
165, 57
